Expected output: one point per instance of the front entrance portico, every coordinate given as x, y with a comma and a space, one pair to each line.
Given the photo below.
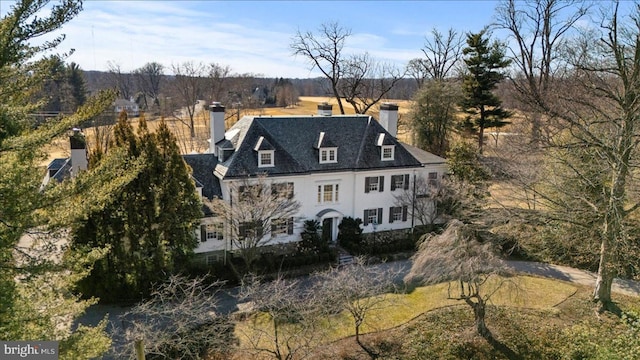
329, 219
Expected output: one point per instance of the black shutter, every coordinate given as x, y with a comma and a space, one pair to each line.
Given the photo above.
366, 217
366, 185
259, 230
406, 181
393, 182
203, 233
242, 231
381, 183
290, 226
290, 190
273, 225
404, 213
379, 216
391, 214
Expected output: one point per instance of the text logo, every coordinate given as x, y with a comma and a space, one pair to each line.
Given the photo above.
30, 350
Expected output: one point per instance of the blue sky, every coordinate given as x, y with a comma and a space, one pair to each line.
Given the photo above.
254, 36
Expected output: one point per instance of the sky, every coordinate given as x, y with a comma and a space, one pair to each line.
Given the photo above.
254, 36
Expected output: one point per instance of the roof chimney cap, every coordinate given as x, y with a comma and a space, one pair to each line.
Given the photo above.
325, 109
216, 106
389, 106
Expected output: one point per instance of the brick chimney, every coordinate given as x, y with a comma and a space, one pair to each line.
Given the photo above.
216, 113
389, 118
79, 160
325, 109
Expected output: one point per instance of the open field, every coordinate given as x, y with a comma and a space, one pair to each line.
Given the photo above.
306, 106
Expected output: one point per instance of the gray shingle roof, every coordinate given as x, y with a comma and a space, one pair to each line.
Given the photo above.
296, 139
424, 157
202, 166
61, 169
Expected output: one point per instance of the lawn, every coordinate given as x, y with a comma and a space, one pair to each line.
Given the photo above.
522, 292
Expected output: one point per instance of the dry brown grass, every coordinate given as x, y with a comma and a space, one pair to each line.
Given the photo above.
308, 105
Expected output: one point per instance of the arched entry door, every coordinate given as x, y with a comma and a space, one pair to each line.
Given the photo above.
329, 219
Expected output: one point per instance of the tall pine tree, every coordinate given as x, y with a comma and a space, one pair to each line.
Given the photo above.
149, 228
484, 64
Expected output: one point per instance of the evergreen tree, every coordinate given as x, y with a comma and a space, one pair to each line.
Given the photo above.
484, 62
77, 87
148, 229
37, 273
433, 115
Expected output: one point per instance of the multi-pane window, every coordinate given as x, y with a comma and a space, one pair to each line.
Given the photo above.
328, 155
282, 190
433, 178
282, 226
265, 158
250, 230
327, 193
387, 152
397, 213
372, 216
400, 182
374, 183
213, 231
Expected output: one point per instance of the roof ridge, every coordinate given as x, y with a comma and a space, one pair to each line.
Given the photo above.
363, 139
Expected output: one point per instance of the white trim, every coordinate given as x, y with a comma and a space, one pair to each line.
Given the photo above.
271, 158
328, 152
382, 152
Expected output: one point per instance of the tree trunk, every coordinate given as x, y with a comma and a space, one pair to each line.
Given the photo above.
536, 129
602, 291
336, 94
479, 311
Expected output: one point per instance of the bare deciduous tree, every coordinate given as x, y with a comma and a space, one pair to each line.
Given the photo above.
188, 84
366, 81
218, 77
179, 321
422, 200
599, 106
255, 205
120, 80
358, 289
538, 28
324, 52
149, 77
442, 53
457, 256
285, 318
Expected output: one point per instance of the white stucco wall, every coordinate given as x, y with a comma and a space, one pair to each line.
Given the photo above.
352, 200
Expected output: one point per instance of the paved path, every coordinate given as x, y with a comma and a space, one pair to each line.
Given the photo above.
227, 302
582, 277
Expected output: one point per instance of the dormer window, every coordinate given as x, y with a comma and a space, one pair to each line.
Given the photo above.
388, 152
328, 155
265, 153
327, 149
265, 158
387, 147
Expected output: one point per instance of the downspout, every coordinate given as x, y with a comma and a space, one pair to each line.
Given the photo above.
413, 203
228, 238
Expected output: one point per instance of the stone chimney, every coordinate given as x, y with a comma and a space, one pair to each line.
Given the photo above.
216, 113
389, 118
324, 109
79, 160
